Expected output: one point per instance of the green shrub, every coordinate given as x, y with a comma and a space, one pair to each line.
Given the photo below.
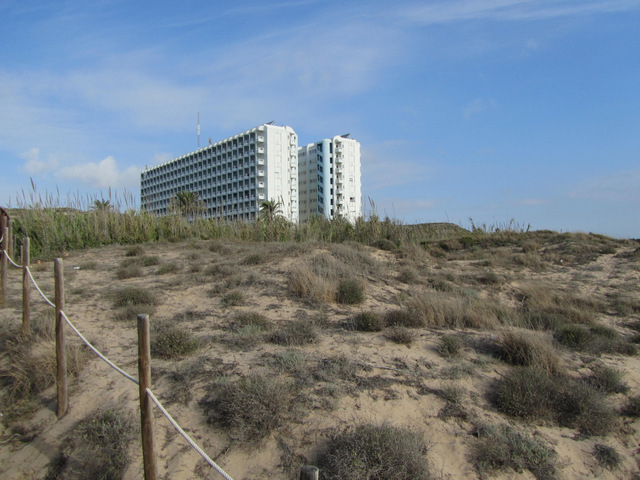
608, 457
170, 341
367, 322
232, 299
350, 291
171, 267
500, 447
254, 259
126, 296
632, 408
607, 380
97, 448
401, 335
532, 394
528, 349
150, 260
450, 346
375, 452
408, 275
130, 271
404, 318
134, 251
573, 336
249, 408
297, 332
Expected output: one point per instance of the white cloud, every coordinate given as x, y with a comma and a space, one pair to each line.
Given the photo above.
510, 10
103, 174
477, 106
617, 187
34, 165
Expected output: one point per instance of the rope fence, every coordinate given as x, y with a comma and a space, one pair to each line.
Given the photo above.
143, 363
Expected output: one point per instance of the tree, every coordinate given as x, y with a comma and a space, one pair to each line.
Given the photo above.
270, 210
187, 204
101, 206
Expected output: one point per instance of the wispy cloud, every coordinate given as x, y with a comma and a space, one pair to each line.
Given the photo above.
34, 165
510, 10
617, 187
103, 174
477, 106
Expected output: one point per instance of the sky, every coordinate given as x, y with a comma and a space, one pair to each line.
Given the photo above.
488, 111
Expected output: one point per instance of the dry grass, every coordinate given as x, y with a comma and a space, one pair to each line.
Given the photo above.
528, 349
376, 452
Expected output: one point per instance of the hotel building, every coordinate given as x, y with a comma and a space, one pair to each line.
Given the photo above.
329, 179
232, 177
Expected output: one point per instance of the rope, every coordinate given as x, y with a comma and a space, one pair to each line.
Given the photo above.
186, 437
38, 288
95, 350
11, 261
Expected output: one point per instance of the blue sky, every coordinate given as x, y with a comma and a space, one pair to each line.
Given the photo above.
485, 109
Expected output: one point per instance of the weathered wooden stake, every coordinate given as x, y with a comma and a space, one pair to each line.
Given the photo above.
26, 289
61, 358
146, 412
309, 472
3, 262
9, 243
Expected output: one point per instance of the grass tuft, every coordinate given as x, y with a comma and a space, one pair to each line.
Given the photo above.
500, 447
367, 322
249, 408
607, 457
375, 452
170, 341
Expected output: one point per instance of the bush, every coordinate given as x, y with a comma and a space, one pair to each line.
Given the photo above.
170, 341
126, 296
632, 408
129, 271
531, 393
400, 335
375, 452
449, 346
573, 336
232, 299
528, 350
134, 251
367, 322
150, 260
250, 408
98, 447
408, 275
500, 447
607, 380
404, 318
297, 332
350, 291
254, 259
171, 267
607, 456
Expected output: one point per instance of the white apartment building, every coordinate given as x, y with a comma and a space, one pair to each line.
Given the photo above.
329, 179
232, 177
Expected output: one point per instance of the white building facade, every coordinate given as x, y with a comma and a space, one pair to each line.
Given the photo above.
329, 179
232, 177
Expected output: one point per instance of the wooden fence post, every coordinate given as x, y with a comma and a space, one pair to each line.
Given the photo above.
309, 472
3, 263
8, 241
61, 358
26, 288
146, 412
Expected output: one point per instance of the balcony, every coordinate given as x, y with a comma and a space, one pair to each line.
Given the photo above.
260, 138
261, 196
261, 161
261, 173
260, 184
260, 149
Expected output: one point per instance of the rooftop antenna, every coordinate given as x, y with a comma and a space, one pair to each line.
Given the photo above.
198, 129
